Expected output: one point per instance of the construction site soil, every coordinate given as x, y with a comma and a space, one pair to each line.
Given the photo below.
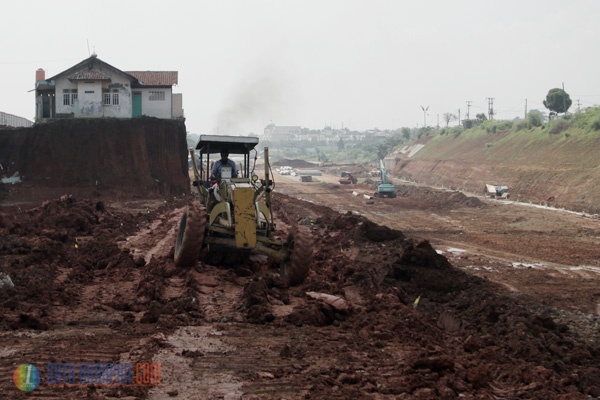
430, 295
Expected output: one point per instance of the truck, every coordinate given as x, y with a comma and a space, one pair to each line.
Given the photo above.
497, 191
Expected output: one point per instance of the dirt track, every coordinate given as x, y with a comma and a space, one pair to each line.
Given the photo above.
507, 310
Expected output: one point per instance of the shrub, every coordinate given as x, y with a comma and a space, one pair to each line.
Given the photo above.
456, 131
490, 128
559, 126
470, 123
497, 126
520, 124
534, 119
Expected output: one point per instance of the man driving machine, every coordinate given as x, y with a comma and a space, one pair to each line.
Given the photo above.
224, 161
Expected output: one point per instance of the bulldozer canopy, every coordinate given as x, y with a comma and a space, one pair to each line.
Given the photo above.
209, 144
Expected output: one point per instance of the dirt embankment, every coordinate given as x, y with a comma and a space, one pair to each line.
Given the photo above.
557, 170
95, 158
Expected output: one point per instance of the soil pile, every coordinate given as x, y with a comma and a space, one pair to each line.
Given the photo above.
460, 334
296, 163
440, 198
94, 158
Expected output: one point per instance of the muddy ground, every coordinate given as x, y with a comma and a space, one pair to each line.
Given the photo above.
443, 295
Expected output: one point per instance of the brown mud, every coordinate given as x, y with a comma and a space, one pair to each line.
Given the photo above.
391, 309
416, 326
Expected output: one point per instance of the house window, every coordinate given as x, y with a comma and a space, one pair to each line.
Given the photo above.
110, 98
69, 96
157, 95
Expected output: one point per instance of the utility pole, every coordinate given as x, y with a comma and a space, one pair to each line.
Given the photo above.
525, 109
564, 98
578, 106
425, 116
459, 117
468, 108
490, 108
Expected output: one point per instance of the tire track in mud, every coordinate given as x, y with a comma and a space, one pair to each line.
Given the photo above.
99, 344
236, 361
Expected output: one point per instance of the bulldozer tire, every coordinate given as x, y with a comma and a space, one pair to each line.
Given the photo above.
295, 268
190, 236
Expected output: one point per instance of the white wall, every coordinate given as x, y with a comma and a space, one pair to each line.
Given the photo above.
63, 83
90, 98
155, 108
123, 110
90, 103
177, 106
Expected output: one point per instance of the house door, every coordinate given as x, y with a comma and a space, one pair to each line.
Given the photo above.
136, 104
47, 106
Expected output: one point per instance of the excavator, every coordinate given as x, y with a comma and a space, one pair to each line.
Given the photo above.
384, 189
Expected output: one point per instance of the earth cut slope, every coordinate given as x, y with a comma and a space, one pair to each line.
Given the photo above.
94, 158
555, 169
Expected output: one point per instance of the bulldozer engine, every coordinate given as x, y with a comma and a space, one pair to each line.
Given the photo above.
235, 212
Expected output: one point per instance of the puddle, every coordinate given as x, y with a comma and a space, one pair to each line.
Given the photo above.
528, 265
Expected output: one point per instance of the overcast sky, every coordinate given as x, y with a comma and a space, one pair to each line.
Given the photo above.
359, 64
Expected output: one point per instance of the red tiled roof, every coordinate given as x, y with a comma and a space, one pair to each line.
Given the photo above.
89, 74
155, 78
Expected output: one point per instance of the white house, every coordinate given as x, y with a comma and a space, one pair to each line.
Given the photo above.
273, 132
96, 89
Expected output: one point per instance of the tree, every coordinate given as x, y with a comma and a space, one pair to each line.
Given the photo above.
382, 151
340, 145
406, 133
534, 118
558, 101
481, 117
449, 117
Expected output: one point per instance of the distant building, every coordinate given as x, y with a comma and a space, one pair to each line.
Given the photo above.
96, 89
14, 121
281, 133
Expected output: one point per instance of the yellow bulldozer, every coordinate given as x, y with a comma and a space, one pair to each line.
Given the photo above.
233, 209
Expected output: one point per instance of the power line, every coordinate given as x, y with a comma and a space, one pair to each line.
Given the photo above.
39, 62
